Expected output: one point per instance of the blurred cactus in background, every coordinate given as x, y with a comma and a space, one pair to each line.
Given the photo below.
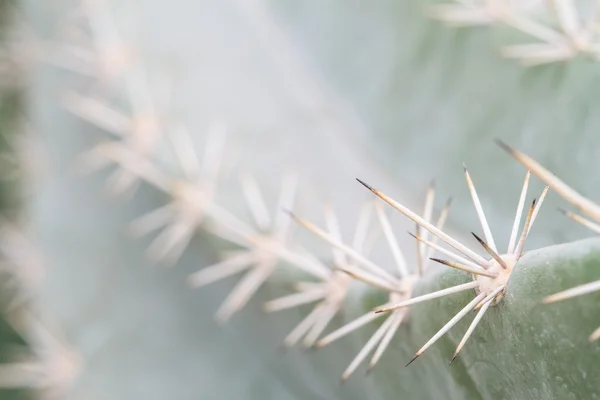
149, 151
11, 107
34, 359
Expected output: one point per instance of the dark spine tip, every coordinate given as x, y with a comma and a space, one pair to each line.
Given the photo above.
439, 260
478, 238
453, 358
449, 201
562, 210
504, 146
411, 361
365, 184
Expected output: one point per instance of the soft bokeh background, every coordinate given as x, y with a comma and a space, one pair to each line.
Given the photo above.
333, 89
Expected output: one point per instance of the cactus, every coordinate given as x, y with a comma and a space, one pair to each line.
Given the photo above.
585, 205
310, 96
10, 100
33, 359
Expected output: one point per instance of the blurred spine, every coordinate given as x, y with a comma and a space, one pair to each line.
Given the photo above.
33, 360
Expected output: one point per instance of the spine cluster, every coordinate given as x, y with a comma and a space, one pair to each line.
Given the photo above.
94, 50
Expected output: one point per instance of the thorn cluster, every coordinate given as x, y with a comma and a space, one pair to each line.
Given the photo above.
331, 291
264, 245
52, 367
399, 287
587, 207
562, 38
490, 276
